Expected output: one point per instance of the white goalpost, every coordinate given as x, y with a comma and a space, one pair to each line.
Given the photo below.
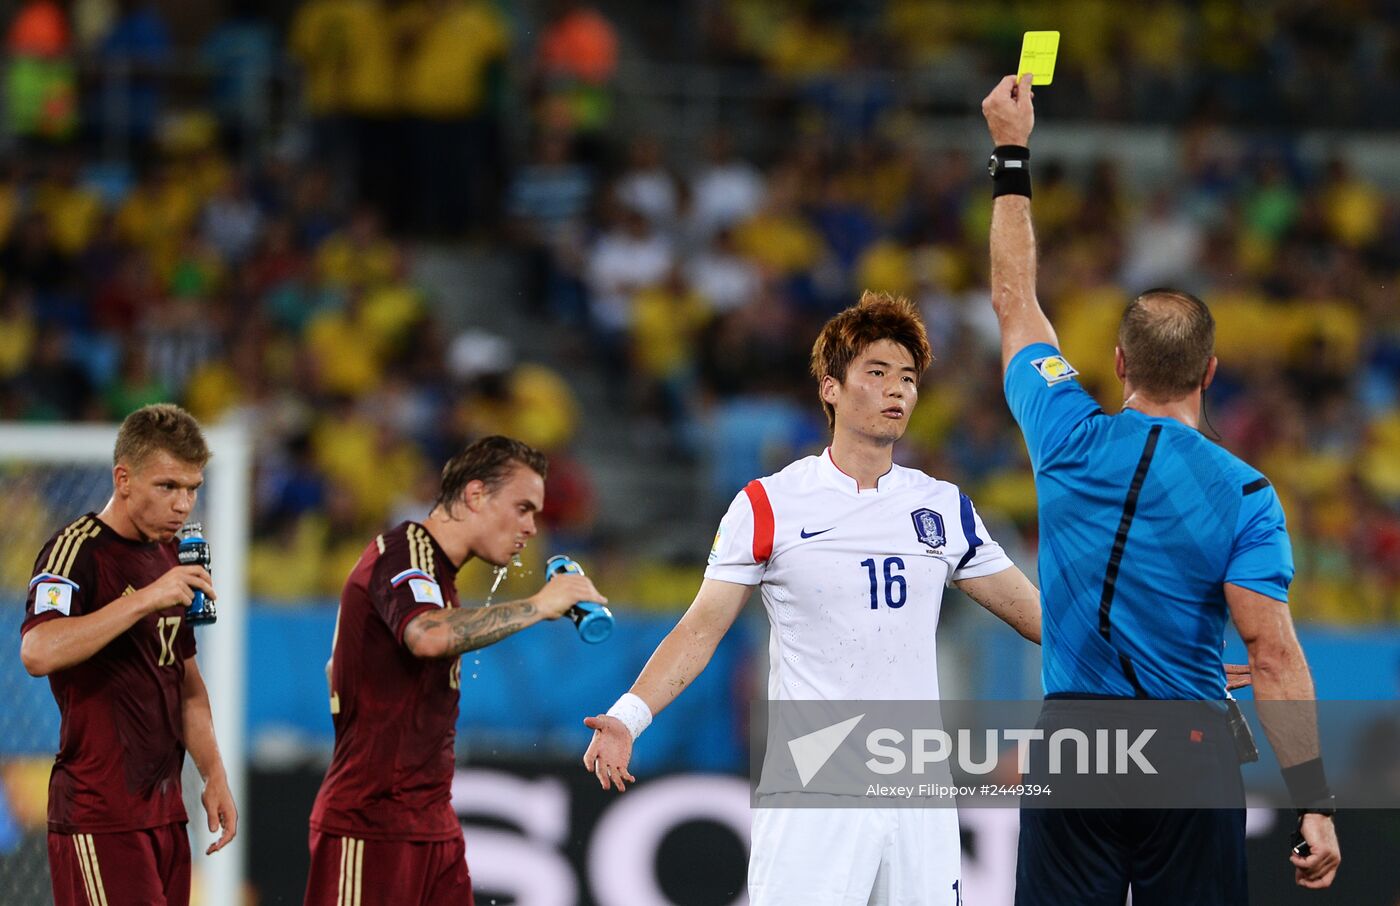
50, 474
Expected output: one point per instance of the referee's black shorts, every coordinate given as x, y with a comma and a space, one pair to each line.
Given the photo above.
1170, 857
1167, 856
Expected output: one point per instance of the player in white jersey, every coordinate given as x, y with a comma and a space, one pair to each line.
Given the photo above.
852, 554
852, 579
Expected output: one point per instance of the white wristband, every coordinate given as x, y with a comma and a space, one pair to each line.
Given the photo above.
633, 712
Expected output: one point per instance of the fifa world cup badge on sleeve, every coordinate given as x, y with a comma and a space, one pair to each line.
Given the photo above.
1054, 369
424, 587
53, 593
426, 591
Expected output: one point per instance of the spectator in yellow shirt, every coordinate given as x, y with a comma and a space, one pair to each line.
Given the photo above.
73, 210
778, 238
448, 51
157, 215
666, 323
346, 52
359, 256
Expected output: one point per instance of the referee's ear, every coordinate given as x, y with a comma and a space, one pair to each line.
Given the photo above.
1120, 365
1210, 373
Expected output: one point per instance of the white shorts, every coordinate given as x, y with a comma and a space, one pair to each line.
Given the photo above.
855, 857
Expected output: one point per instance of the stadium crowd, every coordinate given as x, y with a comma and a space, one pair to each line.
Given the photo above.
271, 289
1278, 63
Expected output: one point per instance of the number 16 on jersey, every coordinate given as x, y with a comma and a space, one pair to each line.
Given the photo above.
895, 587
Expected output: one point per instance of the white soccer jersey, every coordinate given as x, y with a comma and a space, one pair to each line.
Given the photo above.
852, 580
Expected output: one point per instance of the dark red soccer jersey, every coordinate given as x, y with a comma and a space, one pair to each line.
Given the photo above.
395, 714
121, 741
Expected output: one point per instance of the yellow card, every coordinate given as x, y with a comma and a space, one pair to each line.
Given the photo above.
1038, 50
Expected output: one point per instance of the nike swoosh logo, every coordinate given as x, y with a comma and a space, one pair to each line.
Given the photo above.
807, 534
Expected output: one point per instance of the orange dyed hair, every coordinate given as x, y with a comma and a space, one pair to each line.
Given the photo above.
877, 316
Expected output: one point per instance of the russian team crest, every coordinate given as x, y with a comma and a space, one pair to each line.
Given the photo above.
928, 526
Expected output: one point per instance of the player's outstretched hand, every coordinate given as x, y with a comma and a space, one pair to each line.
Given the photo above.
178, 586
1237, 676
1009, 112
222, 813
563, 592
609, 752
1320, 866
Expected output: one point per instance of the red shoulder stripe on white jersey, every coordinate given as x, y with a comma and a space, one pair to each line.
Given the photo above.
762, 520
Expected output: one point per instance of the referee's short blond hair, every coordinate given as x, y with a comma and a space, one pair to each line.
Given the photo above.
1167, 337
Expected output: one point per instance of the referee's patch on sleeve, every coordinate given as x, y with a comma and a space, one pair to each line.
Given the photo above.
1054, 369
426, 591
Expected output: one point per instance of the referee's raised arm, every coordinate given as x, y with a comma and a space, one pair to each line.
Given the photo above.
1010, 119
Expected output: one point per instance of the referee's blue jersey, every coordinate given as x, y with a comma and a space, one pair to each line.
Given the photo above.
1142, 521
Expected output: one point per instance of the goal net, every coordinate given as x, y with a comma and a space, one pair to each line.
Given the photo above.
49, 475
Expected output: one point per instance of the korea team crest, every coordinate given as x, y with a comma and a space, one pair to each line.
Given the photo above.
928, 527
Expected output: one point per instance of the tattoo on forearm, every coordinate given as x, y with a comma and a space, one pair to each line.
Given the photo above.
477, 627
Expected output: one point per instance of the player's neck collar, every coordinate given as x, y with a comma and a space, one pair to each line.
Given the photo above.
847, 482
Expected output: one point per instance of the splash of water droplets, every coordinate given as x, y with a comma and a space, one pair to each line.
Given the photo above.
501, 571
500, 574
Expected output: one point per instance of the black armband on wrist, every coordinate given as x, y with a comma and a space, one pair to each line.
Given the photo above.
1010, 170
1307, 787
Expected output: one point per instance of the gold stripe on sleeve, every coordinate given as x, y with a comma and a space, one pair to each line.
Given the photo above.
425, 550
67, 565
60, 544
412, 549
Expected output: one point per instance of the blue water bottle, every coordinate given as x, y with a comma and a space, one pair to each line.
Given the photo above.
194, 551
593, 620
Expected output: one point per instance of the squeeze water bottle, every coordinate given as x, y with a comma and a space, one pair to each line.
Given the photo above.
593, 620
194, 551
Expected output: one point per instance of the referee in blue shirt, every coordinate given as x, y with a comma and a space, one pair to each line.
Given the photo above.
1151, 537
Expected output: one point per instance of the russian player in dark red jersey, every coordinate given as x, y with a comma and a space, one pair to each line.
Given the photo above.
383, 830
105, 623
